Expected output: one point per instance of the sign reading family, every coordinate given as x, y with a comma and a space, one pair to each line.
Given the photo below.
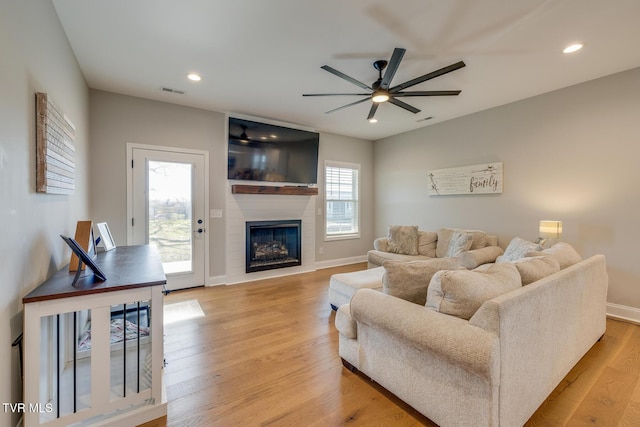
484, 178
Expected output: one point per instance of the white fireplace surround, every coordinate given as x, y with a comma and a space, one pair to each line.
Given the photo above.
266, 207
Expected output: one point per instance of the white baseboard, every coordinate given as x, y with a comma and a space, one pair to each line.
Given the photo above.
623, 312
342, 261
226, 280
216, 280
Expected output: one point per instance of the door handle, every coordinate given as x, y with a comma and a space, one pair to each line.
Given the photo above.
200, 230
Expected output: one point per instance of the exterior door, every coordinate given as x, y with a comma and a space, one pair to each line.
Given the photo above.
168, 198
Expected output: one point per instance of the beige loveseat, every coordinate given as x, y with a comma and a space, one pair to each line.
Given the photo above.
492, 366
407, 243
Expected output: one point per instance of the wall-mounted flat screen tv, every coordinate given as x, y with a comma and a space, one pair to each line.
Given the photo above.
266, 152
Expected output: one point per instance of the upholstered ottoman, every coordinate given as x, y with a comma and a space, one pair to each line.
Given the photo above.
342, 286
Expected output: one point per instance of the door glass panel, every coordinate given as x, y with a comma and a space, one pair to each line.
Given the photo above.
170, 214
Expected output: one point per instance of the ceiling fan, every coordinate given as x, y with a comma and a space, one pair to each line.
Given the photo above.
243, 138
382, 91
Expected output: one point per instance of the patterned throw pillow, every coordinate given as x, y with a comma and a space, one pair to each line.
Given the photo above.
517, 249
458, 243
403, 239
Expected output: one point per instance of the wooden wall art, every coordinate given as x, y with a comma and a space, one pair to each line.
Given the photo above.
485, 178
55, 149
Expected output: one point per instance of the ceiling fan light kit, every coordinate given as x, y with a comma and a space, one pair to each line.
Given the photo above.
380, 91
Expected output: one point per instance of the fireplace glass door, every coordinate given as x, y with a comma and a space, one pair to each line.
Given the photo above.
273, 244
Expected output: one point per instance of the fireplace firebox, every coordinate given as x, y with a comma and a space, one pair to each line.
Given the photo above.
273, 244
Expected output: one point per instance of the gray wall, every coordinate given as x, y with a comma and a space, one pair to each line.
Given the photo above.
352, 150
570, 155
35, 57
119, 119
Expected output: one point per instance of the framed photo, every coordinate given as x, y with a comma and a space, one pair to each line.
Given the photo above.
85, 258
105, 235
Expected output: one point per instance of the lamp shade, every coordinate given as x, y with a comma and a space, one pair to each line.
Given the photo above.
551, 229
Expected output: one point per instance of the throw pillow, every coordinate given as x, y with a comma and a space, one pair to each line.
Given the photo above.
517, 249
460, 293
403, 239
459, 242
427, 241
444, 235
532, 269
562, 252
410, 280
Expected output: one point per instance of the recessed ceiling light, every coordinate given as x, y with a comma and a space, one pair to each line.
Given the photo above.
373, 120
194, 77
573, 48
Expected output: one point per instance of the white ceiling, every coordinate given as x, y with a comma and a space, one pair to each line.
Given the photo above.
258, 57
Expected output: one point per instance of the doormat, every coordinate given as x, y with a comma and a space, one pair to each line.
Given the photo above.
179, 311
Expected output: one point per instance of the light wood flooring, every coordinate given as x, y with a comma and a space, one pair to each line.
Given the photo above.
266, 353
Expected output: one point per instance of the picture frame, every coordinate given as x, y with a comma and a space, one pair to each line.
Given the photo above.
106, 237
479, 179
83, 257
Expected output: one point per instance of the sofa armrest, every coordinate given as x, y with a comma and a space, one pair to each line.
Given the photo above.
380, 244
344, 322
475, 257
450, 338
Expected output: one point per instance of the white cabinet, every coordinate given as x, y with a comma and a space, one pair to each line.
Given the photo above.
83, 364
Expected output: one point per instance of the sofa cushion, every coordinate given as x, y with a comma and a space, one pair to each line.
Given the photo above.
534, 268
461, 292
458, 243
403, 239
410, 280
444, 236
562, 252
378, 257
517, 249
427, 241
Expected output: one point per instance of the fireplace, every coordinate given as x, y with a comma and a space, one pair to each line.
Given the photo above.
273, 244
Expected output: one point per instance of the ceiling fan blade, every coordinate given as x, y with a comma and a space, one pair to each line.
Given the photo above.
429, 93
348, 105
344, 76
372, 111
426, 77
336, 94
394, 62
404, 105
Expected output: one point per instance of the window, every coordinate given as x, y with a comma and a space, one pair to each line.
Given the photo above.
342, 204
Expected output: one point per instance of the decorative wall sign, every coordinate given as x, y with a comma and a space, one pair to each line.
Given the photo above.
485, 178
55, 149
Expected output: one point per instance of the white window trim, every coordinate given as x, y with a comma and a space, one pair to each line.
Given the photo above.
338, 164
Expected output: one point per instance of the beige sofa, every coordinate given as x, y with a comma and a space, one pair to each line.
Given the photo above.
407, 243
429, 246
492, 366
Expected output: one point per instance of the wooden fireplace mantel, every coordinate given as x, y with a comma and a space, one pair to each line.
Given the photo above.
290, 190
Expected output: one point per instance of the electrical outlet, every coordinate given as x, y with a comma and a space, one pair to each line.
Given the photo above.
321, 250
215, 213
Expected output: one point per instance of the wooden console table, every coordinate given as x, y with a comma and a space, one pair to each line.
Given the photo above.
102, 376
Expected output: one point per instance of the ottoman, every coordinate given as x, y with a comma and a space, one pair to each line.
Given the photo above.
342, 286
